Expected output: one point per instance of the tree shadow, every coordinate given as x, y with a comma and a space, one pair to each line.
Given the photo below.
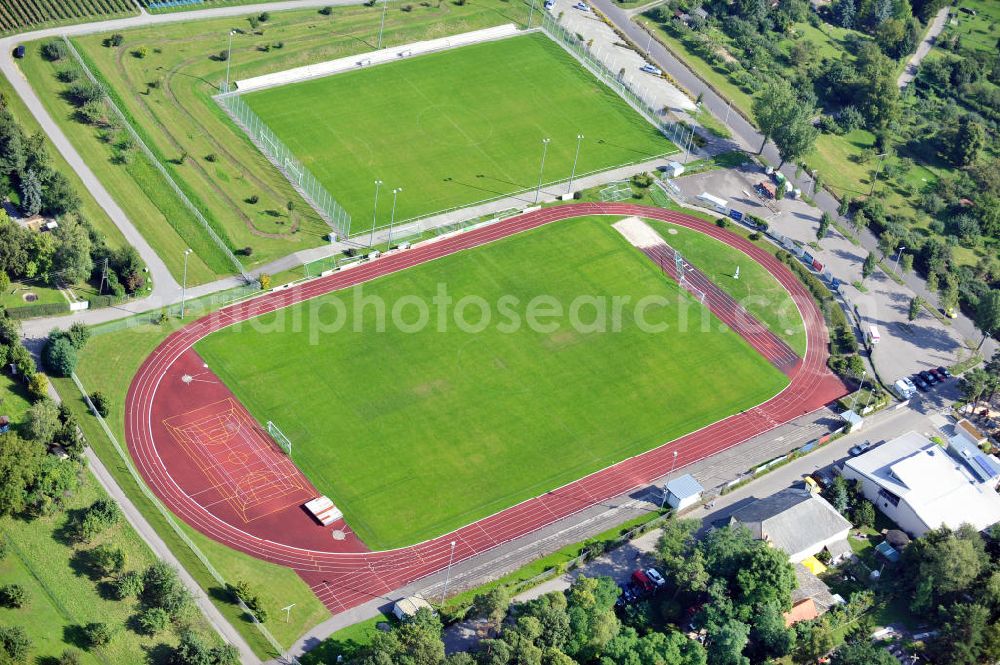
75, 635
68, 533
159, 654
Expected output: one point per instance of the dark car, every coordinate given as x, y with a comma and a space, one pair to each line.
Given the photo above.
929, 378
943, 371
919, 382
19, 52
937, 375
823, 477
860, 449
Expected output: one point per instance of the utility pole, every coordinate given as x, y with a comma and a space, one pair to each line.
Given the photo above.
392, 217
371, 238
385, 6
104, 276
579, 139
541, 169
896, 262
447, 577
187, 253
229, 57
531, 13
288, 612
687, 150
864, 373
729, 107
663, 500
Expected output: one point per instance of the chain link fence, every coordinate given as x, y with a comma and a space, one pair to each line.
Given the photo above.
302, 179
151, 156
678, 133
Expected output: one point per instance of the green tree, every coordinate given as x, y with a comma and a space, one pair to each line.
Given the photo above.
592, 620
825, 221
875, 89
951, 560
916, 303
968, 142
98, 634
864, 514
812, 639
72, 256
862, 652
15, 643
868, 267
107, 560
987, 317
163, 588
964, 635
78, 334
153, 620
725, 643
20, 461
974, 384
796, 135
43, 421
491, 606
31, 193
59, 356
770, 108
13, 595
129, 585
769, 637
906, 264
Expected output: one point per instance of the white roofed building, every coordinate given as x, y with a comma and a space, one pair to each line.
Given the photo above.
921, 486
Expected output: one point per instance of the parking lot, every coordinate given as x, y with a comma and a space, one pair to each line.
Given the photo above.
617, 56
905, 346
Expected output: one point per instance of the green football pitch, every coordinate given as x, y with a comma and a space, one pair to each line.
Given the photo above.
415, 433
454, 127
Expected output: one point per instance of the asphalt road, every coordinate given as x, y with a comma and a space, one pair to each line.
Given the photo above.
746, 137
923, 48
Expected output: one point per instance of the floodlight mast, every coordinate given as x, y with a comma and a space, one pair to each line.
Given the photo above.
572, 175
385, 6
229, 57
392, 217
371, 238
541, 169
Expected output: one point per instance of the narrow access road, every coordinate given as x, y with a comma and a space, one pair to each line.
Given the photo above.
923, 48
746, 137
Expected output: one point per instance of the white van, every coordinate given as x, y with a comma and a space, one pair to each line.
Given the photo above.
873, 336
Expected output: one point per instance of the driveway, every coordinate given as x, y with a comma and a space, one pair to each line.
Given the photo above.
923, 48
906, 346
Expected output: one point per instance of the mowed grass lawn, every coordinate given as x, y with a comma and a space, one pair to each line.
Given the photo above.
455, 127
757, 290
414, 434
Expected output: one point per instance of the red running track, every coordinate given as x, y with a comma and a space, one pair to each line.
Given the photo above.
342, 572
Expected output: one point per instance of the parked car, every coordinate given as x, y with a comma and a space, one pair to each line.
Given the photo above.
944, 372
919, 382
655, 576
549, 4
19, 52
641, 580
823, 477
928, 377
582, 6
936, 374
860, 449
651, 69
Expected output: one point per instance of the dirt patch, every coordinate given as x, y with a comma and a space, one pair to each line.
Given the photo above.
30, 297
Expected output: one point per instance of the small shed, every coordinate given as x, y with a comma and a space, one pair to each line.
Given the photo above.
683, 492
405, 609
853, 420
674, 169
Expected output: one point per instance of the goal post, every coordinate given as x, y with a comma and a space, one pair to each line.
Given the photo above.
279, 437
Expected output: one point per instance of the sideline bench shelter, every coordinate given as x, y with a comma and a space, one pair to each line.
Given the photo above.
405, 609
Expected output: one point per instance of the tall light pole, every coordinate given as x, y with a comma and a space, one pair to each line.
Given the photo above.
187, 253
579, 139
541, 169
878, 169
864, 373
371, 238
392, 217
663, 500
687, 150
229, 57
896, 262
531, 12
385, 6
447, 577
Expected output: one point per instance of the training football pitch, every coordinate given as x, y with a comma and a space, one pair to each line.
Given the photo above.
416, 431
454, 127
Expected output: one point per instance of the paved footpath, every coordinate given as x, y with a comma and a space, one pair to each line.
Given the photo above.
923, 48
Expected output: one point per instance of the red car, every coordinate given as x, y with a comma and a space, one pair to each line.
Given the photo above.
641, 580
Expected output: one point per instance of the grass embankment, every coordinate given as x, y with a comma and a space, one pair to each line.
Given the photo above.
451, 128
108, 364
468, 420
64, 595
